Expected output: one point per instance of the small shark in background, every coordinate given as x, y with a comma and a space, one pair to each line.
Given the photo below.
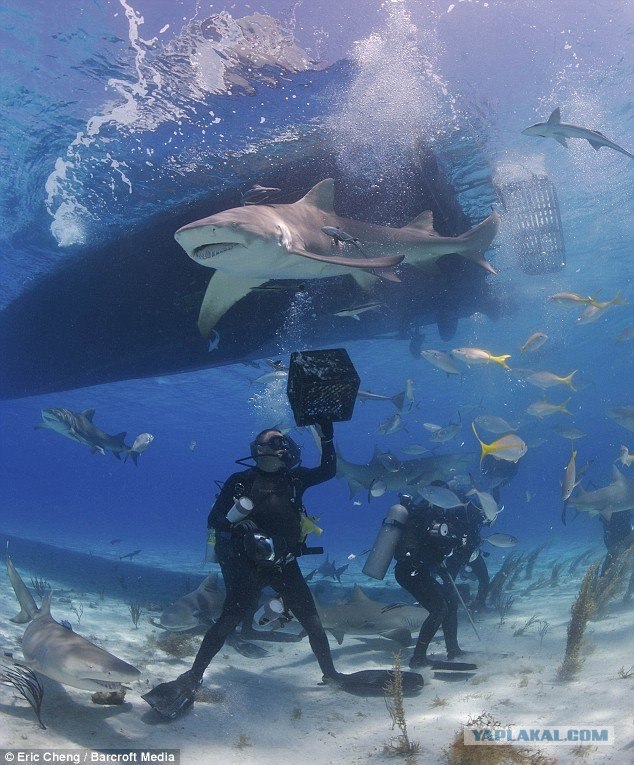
249, 246
561, 131
623, 415
79, 427
613, 498
363, 616
61, 654
329, 568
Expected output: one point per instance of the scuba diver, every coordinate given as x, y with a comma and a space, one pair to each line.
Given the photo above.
436, 543
257, 518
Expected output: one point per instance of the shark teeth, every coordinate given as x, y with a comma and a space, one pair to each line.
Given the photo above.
211, 250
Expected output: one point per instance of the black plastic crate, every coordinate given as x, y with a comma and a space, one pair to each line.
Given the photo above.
322, 384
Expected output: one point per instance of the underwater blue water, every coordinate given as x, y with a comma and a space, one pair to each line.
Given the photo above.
108, 124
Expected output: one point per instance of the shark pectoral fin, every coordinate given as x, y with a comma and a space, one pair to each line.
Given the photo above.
555, 117
561, 139
337, 634
364, 279
595, 144
89, 414
338, 260
401, 635
224, 291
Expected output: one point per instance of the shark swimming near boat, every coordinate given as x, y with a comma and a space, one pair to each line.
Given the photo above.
613, 498
61, 654
248, 246
410, 476
79, 427
364, 616
561, 131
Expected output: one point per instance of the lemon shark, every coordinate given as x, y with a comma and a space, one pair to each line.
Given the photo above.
61, 654
248, 246
561, 131
79, 427
410, 476
364, 616
197, 608
613, 498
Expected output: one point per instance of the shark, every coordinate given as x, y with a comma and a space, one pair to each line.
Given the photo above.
364, 616
613, 498
623, 415
61, 654
248, 246
410, 476
79, 427
561, 131
196, 608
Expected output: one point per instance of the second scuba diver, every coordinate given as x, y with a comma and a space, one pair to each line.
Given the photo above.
436, 543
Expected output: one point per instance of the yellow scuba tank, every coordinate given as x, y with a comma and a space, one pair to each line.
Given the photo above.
210, 547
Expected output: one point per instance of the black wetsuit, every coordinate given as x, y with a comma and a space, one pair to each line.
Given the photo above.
617, 536
277, 500
421, 557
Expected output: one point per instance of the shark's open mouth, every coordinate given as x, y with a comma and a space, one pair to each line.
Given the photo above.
208, 251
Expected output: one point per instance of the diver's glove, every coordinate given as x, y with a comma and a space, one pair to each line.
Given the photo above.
325, 430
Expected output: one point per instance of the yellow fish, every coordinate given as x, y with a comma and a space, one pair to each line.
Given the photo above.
535, 341
543, 409
548, 379
509, 448
572, 297
625, 458
479, 356
308, 526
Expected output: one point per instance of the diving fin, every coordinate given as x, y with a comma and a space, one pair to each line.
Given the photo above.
372, 682
455, 666
173, 698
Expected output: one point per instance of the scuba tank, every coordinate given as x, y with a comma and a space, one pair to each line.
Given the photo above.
386, 540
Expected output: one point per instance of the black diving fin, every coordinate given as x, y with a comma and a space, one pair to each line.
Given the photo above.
455, 666
373, 682
173, 698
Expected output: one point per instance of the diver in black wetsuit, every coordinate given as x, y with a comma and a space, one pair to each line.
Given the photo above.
436, 543
618, 536
260, 550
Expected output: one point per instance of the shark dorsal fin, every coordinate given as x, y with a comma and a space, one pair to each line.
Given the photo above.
617, 475
555, 117
423, 222
120, 437
322, 196
89, 414
358, 596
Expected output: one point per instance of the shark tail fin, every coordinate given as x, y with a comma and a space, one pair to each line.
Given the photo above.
474, 242
398, 400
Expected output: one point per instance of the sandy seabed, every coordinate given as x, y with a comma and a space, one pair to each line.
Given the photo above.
273, 709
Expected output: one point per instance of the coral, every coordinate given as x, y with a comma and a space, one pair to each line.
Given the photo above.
401, 745
178, 644
459, 753
534, 619
580, 612
26, 682
243, 741
109, 697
